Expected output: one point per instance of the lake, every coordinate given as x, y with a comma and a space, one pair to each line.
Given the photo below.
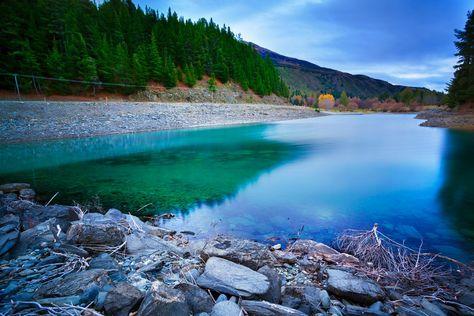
271, 182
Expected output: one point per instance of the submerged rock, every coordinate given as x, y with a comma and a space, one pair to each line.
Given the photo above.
264, 308
227, 277
354, 288
13, 187
163, 301
248, 253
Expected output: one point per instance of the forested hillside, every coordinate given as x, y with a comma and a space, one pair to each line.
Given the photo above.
118, 42
310, 78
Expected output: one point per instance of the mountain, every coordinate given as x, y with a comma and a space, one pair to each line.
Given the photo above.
305, 76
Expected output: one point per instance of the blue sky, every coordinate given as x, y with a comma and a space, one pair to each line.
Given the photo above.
407, 42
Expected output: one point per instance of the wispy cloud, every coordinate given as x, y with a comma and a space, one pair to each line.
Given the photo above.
405, 42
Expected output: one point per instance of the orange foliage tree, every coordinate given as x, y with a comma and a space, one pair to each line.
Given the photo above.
326, 101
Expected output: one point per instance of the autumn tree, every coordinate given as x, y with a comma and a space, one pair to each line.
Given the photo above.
326, 101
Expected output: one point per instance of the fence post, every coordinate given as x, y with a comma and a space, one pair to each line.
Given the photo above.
17, 88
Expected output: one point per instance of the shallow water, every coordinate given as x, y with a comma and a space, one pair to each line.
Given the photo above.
313, 177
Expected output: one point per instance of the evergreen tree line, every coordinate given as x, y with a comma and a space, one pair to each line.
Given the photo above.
118, 42
461, 88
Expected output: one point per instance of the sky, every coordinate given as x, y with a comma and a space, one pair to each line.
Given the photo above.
408, 42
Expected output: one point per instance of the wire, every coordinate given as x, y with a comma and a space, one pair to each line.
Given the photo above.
74, 80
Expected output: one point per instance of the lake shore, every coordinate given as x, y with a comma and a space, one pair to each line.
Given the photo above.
60, 259
463, 120
36, 120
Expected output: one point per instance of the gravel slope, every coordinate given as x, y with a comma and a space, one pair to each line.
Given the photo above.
30, 121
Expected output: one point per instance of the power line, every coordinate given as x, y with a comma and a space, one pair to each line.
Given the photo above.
99, 83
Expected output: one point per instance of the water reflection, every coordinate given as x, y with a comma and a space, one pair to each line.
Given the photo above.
172, 170
457, 192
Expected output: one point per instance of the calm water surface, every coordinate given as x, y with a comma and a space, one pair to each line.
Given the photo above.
317, 176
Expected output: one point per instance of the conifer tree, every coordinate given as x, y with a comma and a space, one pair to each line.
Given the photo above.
461, 88
190, 78
156, 63
343, 99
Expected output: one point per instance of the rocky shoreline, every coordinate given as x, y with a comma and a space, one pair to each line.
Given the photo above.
61, 260
447, 118
36, 120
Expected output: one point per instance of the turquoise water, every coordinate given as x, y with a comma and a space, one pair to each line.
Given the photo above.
315, 177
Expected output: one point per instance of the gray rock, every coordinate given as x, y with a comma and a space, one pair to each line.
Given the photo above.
73, 284
104, 261
27, 194
197, 299
248, 253
138, 225
264, 308
431, 308
325, 299
335, 311
231, 278
9, 232
33, 238
273, 294
284, 256
163, 301
35, 214
311, 247
221, 298
96, 229
13, 187
226, 308
303, 298
192, 275
65, 300
121, 300
346, 285
66, 248
139, 244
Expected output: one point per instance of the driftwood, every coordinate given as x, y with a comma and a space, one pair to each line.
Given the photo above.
394, 264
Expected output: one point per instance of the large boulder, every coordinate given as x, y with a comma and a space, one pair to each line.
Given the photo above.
96, 229
273, 294
122, 299
44, 234
139, 244
357, 289
163, 301
246, 252
198, 300
74, 283
36, 214
264, 308
227, 277
226, 308
9, 232
303, 298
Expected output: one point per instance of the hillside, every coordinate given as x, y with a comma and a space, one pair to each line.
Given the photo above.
118, 47
305, 76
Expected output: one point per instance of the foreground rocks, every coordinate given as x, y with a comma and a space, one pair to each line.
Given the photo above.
116, 264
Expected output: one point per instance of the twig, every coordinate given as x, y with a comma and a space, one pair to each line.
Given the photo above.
50, 200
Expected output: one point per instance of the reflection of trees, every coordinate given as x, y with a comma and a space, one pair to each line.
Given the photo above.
175, 172
457, 192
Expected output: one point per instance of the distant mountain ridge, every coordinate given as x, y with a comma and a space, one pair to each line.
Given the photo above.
306, 76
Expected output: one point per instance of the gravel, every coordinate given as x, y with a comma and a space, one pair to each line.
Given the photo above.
36, 120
